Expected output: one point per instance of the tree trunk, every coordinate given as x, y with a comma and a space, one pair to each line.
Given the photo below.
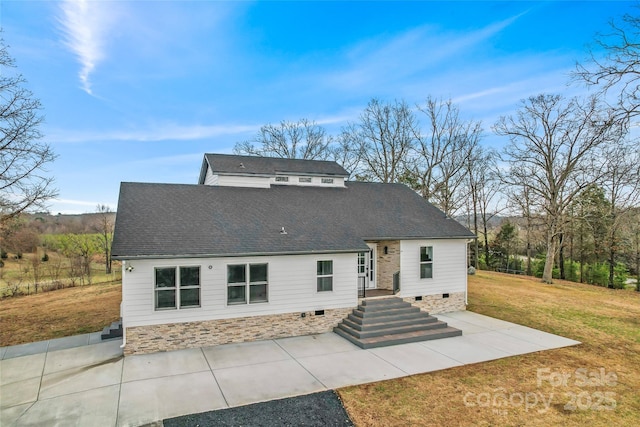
547, 275
107, 262
637, 263
581, 239
475, 230
612, 263
486, 245
561, 256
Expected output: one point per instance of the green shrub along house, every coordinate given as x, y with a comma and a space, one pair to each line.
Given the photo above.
263, 248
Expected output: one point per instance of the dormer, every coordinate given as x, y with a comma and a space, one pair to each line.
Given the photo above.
263, 172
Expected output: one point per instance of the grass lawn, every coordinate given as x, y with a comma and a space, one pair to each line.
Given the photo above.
607, 322
60, 313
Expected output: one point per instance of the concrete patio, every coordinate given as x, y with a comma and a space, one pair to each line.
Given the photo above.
76, 382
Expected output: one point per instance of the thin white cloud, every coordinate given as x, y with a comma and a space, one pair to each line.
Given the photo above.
85, 24
480, 94
381, 62
166, 132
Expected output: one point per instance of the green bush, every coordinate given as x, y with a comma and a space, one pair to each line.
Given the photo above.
620, 276
596, 274
516, 263
537, 267
571, 271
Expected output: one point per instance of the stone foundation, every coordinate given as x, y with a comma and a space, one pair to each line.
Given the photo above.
176, 336
434, 304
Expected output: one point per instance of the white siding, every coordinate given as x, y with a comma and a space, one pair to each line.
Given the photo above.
244, 181
210, 178
292, 288
449, 267
265, 182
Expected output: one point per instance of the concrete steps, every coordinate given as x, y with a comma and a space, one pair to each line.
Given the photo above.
390, 321
112, 331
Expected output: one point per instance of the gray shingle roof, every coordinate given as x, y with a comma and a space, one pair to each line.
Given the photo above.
197, 220
226, 163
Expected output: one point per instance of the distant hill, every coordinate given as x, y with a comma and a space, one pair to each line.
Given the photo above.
494, 222
47, 223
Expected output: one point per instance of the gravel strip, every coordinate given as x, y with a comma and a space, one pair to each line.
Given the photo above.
313, 410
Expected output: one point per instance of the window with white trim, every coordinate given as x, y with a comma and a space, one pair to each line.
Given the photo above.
282, 179
327, 180
177, 287
324, 276
304, 179
247, 280
426, 262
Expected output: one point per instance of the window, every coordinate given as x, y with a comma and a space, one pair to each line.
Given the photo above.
304, 179
258, 283
241, 276
177, 287
236, 284
362, 263
189, 287
325, 276
282, 179
426, 262
327, 180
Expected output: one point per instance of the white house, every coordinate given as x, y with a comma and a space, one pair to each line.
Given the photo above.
263, 248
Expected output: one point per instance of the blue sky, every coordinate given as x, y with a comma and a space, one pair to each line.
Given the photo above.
139, 90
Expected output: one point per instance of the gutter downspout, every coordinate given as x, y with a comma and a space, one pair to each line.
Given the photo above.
466, 276
124, 329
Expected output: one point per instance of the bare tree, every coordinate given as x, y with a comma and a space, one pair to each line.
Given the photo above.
444, 146
551, 145
528, 213
303, 139
36, 271
633, 229
479, 174
621, 183
23, 180
618, 73
80, 248
347, 152
589, 210
489, 206
103, 225
384, 136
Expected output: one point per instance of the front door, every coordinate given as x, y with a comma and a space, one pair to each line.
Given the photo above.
372, 257
367, 267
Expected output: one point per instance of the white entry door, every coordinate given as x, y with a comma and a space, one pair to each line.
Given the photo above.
372, 256
367, 268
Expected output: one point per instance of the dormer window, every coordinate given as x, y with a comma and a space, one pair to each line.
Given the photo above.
263, 172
